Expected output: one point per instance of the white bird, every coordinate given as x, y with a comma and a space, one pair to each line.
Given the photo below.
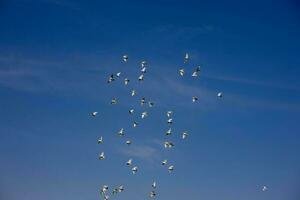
121, 132
186, 58
152, 194
170, 168
168, 144
154, 185
169, 113
118, 74
94, 114
101, 156
264, 188
196, 72
143, 63
143, 101
220, 94
135, 124
151, 104
164, 162
141, 77
100, 140
143, 70
115, 191
113, 101
105, 197
111, 78
169, 131
184, 135
131, 111
134, 170
181, 72
129, 162
126, 81
133, 92
125, 58
121, 188
194, 99
144, 114
103, 189
128, 142
170, 121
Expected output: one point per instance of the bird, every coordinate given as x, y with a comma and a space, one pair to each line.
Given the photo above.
94, 114
111, 78
143, 70
152, 194
169, 131
125, 58
101, 156
126, 81
141, 77
220, 94
131, 111
106, 197
143, 101
144, 114
134, 170
170, 168
169, 113
154, 185
264, 188
181, 72
100, 140
194, 99
128, 142
133, 92
103, 189
143, 63
196, 72
121, 132
135, 124
170, 121
151, 104
115, 191
168, 144
118, 74
129, 162
184, 135
186, 58
113, 101
121, 188
164, 162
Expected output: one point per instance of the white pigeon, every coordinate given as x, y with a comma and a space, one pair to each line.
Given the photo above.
115, 191
169, 113
135, 124
121, 132
220, 94
133, 92
264, 188
101, 156
170, 121
126, 81
125, 58
141, 77
186, 58
143, 63
170, 168
168, 144
129, 162
94, 114
143, 70
113, 101
128, 142
134, 170
194, 99
104, 189
121, 188
131, 111
169, 131
118, 74
184, 135
106, 197
181, 72
196, 72
111, 78
100, 140
154, 185
143, 101
164, 162
144, 114
151, 104
152, 194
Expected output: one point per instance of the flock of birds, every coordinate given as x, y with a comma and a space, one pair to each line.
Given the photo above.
104, 190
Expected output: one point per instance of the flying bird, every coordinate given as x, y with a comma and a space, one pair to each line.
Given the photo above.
121, 132
196, 72
118, 74
144, 114
128, 142
186, 58
111, 78
113, 101
134, 170
141, 77
169, 131
184, 135
168, 144
125, 58
170, 121
94, 114
151, 104
181, 72
121, 188
152, 194
131, 111
154, 185
100, 140
143, 70
220, 94
135, 124
169, 113
133, 92
143, 101
194, 99
164, 162
129, 162
264, 188
126, 81
143, 63
101, 156
171, 168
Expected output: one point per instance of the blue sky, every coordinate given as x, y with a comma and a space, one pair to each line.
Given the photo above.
56, 55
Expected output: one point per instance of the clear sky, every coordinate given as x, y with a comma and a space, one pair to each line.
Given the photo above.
56, 55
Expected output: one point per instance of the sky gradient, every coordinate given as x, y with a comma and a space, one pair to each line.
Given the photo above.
56, 56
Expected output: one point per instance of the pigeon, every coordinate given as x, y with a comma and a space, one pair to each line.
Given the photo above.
100, 140
143, 64
170, 168
168, 144
128, 142
169, 113
126, 81
143, 101
154, 185
121, 188
131, 111
125, 58
94, 114
220, 94
113, 101
186, 58
151, 104
169, 131
164, 162
101, 156
111, 78
141, 77
152, 194
143, 70
129, 162
181, 72
264, 188
170, 121
133, 92
194, 99
184, 135
196, 72
144, 114
106, 197
118, 74
115, 191
121, 132
134, 170
104, 189
135, 124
